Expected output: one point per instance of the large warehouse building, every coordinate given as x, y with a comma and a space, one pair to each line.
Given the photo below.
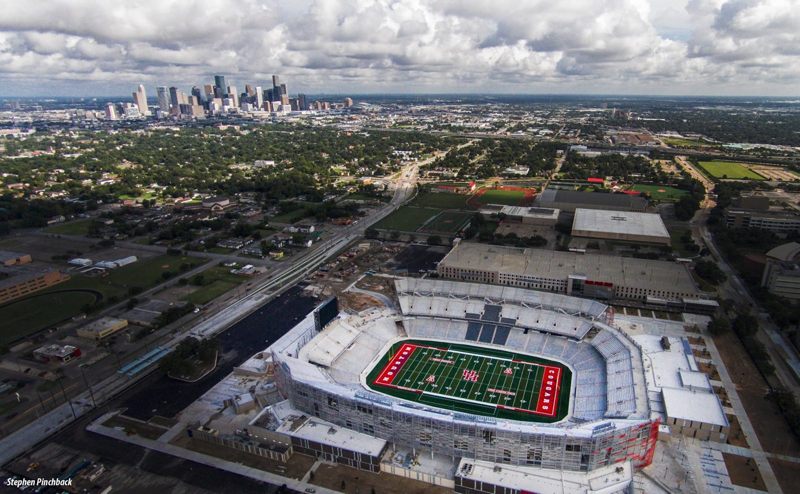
585, 275
626, 226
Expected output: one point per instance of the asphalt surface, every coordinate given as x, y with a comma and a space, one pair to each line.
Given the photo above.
166, 397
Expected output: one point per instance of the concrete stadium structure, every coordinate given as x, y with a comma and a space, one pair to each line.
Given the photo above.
323, 374
586, 275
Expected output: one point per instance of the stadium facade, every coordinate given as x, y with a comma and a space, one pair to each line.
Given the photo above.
323, 374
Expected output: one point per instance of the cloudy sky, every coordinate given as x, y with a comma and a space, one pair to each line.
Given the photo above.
106, 47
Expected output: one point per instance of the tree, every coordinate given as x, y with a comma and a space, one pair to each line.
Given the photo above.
709, 271
718, 326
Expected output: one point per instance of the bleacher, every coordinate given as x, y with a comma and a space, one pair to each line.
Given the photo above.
619, 374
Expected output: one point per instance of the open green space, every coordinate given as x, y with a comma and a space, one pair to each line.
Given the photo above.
443, 200
42, 309
20, 318
406, 219
729, 169
660, 192
290, 216
684, 142
79, 227
679, 245
448, 222
500, 196
357, 196
215, 282
475, 380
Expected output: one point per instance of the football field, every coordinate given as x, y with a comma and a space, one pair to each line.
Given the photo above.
472, 379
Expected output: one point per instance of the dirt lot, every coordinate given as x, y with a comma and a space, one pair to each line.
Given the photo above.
788, 474
295, 468
736, 436
361, 482
357, 302
744, 472
709, 369
772, 430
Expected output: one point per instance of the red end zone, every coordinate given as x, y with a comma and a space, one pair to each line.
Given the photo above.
548, 393
397, 361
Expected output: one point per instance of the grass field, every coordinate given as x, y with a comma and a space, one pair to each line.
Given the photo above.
443, 200
406, 219
290, 217
729, 169
34, 313
499, 196
474, 380
660, 192
80, 227
65, 300
216, 281
448, 222
683, 142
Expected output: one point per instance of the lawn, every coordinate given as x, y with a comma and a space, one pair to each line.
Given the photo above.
406, 219
442, 200
65, 300
27, 316
356, 196
676, 236
216, 281
683, 142
500, 196
474, 380
448, 222
729, 169
291, 216
80, 227
660, 192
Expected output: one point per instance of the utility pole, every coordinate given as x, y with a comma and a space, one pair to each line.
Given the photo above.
88, 385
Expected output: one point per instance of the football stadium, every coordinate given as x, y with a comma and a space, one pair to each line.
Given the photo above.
478, 373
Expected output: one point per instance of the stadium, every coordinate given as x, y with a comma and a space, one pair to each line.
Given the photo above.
478, 372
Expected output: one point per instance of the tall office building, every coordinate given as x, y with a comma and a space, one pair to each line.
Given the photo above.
284, 95
173, 97
234, 95
111, 111
259, 98
219, 82
249, 90
209, 90
301, 102
276, 81
197, 94
348, 102
163, 98
140, 99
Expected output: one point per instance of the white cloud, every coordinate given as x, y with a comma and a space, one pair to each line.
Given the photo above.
739, 46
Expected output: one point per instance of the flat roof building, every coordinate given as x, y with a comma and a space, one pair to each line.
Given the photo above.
570, 200
695, 414
102, 328
781, 274
25, 283
8, 258
588, 275
522, 214
56, 353
627, 226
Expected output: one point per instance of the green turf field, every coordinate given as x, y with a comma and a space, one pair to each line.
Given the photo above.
443, 200
406, 219
476, 380
660, 192
729, 169
500, 196
447, 222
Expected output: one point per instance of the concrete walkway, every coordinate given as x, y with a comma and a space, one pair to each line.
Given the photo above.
202, 459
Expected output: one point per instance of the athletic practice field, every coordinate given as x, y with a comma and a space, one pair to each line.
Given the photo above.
476, 380
729, 169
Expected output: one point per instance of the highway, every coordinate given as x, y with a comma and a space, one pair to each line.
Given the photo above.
20, 441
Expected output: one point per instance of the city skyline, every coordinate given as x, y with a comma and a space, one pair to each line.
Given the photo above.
698, 47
